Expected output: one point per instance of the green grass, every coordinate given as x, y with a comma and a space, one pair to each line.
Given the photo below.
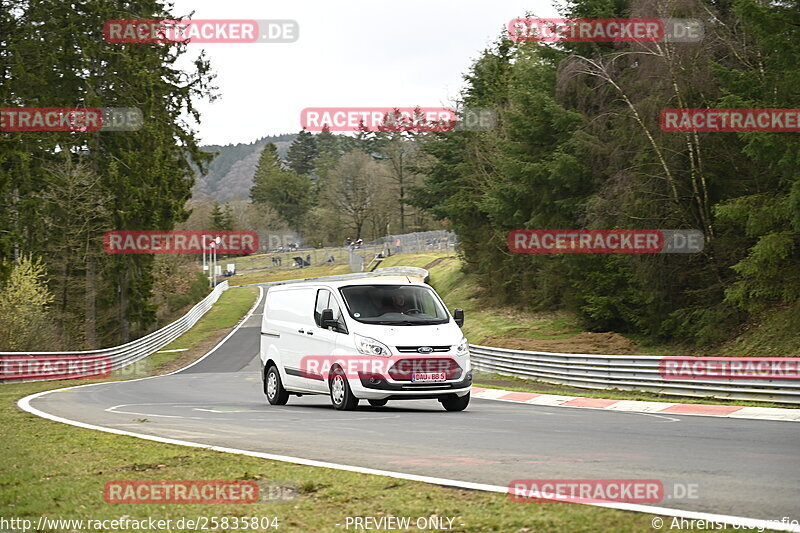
59, 471
226, 313
284, 274
413, 260
483, 320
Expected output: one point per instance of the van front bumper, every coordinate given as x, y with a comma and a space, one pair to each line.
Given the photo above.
374, 387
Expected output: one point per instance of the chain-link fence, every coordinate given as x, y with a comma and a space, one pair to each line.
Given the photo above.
407, 243
419, 242
358, 257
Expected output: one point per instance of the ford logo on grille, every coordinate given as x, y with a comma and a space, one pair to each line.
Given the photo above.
424, 349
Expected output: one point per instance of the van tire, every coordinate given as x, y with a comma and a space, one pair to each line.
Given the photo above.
341, 396
455, 403
273, 388
378, 403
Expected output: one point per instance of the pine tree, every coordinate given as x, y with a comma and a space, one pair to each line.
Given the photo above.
302, 153
286, 191
147, 174
330, 151
221, 218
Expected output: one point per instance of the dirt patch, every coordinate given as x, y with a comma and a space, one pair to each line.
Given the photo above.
595, 343
193, 354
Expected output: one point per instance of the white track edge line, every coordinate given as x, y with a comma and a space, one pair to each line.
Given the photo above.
24, 404
234, 330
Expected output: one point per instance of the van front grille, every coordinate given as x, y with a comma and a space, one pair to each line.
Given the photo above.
414, 349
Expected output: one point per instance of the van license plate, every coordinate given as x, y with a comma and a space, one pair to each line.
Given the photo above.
434, 376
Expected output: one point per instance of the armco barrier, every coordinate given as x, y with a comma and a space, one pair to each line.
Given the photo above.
131, 352
625, 372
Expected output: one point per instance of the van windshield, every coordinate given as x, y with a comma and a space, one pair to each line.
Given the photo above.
400, 305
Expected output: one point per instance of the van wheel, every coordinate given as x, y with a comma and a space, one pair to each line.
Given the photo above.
455, 403
273, 388
377, 403
341, 396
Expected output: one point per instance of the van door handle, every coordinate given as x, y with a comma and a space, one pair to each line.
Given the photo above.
300, 331
310, 332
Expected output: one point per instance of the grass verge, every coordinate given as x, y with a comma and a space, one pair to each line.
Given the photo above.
206, 333
289, 273
59, 471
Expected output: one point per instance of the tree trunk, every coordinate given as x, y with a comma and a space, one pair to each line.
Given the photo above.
90, 319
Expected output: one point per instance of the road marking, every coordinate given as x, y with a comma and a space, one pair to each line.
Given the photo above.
25, 405
671, 419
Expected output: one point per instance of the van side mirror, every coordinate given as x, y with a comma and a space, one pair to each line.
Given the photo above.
458, 316
327, 320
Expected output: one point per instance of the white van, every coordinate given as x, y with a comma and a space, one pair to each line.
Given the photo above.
374, 339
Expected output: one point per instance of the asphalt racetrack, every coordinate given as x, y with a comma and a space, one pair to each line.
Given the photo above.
744, 468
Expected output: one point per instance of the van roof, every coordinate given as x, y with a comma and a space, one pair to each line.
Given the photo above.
377, 280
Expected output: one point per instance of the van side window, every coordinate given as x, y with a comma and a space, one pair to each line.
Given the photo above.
337, 312
322, 303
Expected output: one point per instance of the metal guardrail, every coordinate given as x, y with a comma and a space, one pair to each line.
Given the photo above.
625, 372
131, 352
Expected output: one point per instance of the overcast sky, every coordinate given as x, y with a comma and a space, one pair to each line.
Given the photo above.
350, 53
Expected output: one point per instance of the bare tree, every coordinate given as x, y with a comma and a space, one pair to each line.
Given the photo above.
354, 187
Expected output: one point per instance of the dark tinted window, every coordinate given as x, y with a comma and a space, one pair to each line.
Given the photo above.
394, 304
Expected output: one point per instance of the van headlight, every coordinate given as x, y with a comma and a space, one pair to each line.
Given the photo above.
369, 346
463, 347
